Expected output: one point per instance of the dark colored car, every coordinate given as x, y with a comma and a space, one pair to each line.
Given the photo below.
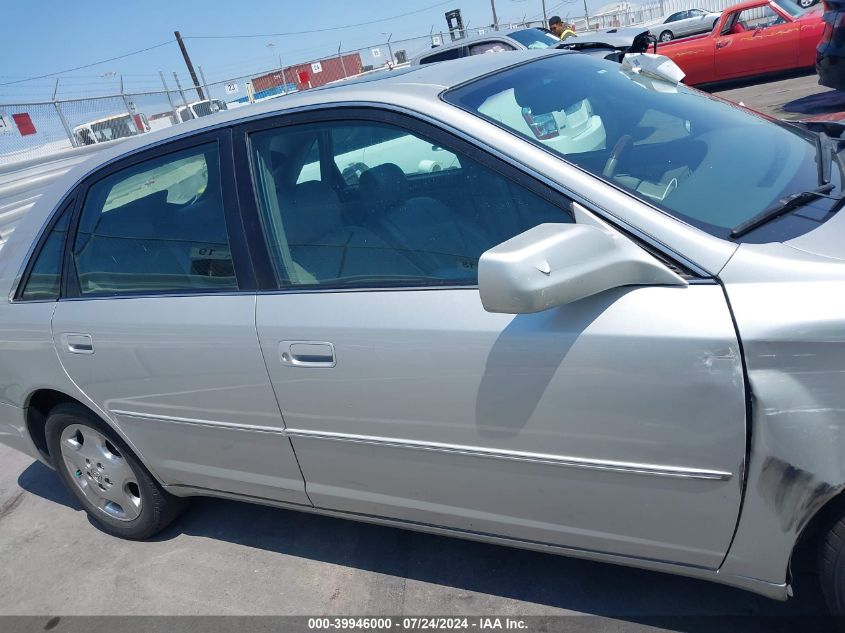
830, 53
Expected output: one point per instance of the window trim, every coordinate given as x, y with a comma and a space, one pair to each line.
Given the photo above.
241, 260
248, 194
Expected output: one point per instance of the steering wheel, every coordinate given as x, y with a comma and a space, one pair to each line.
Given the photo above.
621, 145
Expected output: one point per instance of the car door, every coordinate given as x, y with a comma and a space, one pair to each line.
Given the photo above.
684, 24
697, 22
614, 424
756, 40
157, 322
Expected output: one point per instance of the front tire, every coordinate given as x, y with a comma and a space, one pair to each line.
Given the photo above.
97, 467
832, 566
666, 36
806, 4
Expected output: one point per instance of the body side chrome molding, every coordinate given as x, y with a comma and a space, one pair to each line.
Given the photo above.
200, 422
565, 461
520, 456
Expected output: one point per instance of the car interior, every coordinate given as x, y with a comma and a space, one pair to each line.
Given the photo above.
651, 141
174, 237
386, 224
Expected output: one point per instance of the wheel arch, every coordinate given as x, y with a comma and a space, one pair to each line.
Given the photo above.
42, 401
809, 539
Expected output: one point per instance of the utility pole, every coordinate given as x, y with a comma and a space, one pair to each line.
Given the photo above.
70, 136
495, 19
190, 65
188, 114
586, 16
340, 57
174, 118
545, 17
204, 82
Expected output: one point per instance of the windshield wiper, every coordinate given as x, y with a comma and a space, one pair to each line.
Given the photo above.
784, 206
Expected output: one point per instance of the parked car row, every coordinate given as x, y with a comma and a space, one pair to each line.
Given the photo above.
750, 39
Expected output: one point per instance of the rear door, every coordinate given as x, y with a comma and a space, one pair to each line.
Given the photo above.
614, 424
156, 324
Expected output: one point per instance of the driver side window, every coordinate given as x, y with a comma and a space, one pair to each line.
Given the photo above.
755, 18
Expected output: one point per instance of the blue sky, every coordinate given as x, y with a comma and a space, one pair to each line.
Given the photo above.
40, 37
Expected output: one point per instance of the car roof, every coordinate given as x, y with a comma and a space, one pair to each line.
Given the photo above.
470, 39
410, 87
749, 4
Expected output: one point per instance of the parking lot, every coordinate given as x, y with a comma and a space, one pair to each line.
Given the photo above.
229, 558
792, 97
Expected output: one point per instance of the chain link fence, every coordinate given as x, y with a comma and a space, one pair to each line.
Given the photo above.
34, 130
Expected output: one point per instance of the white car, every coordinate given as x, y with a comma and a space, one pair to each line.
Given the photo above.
685, 23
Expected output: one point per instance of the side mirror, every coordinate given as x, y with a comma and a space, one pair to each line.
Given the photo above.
555, 264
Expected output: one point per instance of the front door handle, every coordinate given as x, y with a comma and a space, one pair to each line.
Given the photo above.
307, 354
721, 43
78, 343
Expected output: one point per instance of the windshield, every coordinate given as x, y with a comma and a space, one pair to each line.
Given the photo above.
204, 108
706, 162
535, 39
790, 8
110, 129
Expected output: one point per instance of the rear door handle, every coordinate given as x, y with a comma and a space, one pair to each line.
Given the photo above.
307, 354
78, 343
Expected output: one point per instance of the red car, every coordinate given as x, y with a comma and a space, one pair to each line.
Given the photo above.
751, 38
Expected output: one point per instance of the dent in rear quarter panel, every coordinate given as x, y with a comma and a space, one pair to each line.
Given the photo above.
790, 312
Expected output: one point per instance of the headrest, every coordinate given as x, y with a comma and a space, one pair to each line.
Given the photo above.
382, 187
314, 211
555, 95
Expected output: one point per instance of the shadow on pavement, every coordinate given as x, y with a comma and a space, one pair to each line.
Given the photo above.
821, 103
610, 591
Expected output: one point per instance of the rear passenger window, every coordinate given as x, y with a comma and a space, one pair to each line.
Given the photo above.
155, 227
404, 211
44, 279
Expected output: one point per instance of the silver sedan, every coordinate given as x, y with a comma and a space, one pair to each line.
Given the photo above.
684, 23
536, 299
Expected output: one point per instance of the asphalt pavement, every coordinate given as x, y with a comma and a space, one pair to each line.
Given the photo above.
229, 558
791, 96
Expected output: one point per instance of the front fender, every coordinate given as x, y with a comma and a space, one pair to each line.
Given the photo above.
790, 314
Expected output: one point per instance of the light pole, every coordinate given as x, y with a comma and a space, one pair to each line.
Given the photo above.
272, 46
495, 18
389, 50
